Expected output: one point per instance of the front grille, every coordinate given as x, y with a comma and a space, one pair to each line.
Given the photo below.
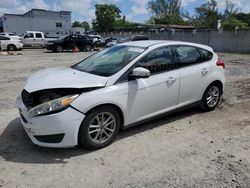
27, 99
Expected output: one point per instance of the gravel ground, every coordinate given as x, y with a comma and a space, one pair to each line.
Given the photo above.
186, 149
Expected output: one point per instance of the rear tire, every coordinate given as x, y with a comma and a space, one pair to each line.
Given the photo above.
99, 128
211, 97
11, 47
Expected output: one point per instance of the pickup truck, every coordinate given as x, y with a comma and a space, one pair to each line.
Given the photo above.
35, 39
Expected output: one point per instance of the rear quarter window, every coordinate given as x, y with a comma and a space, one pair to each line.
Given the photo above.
187, 55
206, 55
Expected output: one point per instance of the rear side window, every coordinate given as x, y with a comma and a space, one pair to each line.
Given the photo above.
4, 38
38, 35
206, 55
29, 35
158, 60
187, 55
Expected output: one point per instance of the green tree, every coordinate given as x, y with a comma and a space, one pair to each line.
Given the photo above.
231, 23
106, 16
76, 24
163, 8
243, 17
165, 11
231, 9
207, 15
83, 24
86, 26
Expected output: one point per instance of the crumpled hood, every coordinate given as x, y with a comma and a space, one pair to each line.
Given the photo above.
63, 78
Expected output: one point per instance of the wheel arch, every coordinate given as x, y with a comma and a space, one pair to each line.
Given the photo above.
114, 106
219, 83
11, 44
102, 105
109, 104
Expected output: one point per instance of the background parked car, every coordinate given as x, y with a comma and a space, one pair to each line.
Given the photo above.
82, 42
98, 41
139, 37
10, 44
111, 41
11, 35
35, 39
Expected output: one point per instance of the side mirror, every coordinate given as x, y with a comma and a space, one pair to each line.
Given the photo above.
25, 36
140, 72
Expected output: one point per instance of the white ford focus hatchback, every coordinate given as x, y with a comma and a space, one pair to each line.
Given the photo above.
116, 88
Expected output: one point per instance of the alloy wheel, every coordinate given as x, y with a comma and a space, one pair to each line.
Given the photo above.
102, 127
213, 96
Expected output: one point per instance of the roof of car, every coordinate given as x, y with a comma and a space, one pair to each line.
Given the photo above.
148, 43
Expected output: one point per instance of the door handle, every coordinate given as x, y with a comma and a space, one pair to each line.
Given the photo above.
171, 80
204, 71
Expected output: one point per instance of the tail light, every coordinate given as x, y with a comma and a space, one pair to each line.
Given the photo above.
220, 63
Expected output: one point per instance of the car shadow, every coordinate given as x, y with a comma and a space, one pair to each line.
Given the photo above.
51, 52
15, 146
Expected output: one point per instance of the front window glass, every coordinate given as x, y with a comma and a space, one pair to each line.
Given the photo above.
29, 35
158, 60
109, 61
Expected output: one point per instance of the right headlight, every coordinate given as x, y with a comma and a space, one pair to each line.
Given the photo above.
52, 106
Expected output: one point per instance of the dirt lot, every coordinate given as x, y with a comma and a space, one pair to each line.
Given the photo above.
187, 149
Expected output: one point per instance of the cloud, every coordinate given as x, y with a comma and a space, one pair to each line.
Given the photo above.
186, 3
12, 6
107, 1
244, 5
19, 7
139, 7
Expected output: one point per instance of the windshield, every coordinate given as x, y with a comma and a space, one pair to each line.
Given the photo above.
109, 61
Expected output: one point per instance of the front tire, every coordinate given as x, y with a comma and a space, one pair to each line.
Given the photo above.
99, 128
211, 97
59, 48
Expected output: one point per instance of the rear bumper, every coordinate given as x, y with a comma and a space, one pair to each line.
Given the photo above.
59, 130
19, 46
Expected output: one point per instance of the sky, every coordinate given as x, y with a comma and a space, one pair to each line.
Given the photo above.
84, 10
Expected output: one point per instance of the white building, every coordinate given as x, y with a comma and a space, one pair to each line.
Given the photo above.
52, 23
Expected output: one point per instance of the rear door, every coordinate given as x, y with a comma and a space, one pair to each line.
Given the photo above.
194, 71
79, 42
39, 39
29, 39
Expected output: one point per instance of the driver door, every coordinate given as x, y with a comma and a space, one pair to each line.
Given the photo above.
158, 93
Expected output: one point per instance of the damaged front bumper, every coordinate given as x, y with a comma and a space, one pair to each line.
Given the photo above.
59, 130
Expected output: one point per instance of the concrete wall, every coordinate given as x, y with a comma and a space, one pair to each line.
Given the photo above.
226, 41
38, 20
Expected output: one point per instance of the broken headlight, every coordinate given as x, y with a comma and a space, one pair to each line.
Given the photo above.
52, 106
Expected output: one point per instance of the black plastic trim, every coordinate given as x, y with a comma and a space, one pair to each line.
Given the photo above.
53, 138
76, 109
